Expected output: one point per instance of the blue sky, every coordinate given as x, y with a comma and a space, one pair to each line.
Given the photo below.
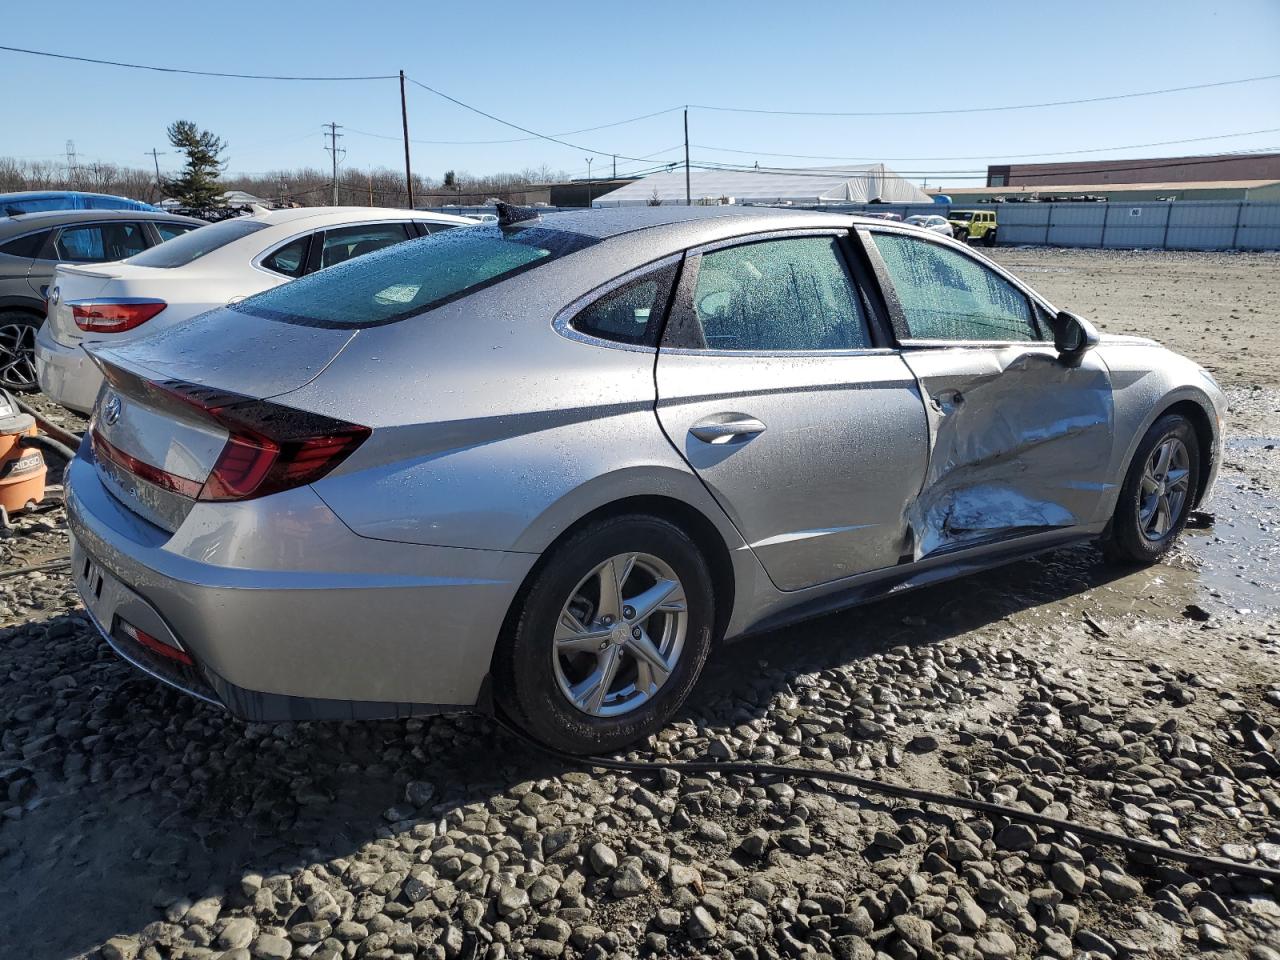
558, 67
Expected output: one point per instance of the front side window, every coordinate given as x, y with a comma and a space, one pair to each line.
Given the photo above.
946, 295
99, 242
410, 278
791, 294
347, 243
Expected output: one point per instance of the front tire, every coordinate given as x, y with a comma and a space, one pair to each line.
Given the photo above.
18, 349
608, 637
962, 235
1158, 492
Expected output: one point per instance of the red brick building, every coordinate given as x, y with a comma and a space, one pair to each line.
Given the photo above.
1226, 166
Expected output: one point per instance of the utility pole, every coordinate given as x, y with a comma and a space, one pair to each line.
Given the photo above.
155, 156
588, 182
615, 166
404, 122
334, 137
688, 193
73, 167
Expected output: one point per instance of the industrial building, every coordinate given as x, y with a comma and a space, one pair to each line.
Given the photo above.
1152, 171
870, 183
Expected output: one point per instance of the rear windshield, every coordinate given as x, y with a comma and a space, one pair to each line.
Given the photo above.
180, 251
409, 278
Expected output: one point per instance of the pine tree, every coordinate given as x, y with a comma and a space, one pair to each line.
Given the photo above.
197, 186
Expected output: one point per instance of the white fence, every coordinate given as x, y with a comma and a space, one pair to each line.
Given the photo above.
1168, 225
1160, 224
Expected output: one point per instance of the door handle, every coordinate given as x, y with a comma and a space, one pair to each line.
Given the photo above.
726, 428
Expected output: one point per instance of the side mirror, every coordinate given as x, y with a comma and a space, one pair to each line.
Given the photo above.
1073, 336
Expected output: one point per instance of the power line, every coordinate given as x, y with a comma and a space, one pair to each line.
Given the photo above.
194, 73
985, 156
516, 126
827, 172
1015, 106
567, 133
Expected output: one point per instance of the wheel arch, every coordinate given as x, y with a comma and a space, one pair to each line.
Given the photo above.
23, 305
699, 528
1203, 426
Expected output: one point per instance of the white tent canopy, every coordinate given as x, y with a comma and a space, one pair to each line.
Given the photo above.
861, 184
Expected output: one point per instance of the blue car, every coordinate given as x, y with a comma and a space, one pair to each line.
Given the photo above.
35, 201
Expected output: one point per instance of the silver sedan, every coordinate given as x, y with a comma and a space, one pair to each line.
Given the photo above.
932, 223
547, 466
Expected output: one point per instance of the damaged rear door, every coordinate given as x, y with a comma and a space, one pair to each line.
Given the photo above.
1019, 441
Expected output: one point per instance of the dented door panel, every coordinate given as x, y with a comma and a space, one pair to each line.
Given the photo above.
1018, 443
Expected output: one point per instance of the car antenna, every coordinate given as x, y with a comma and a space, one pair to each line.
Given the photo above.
509, 214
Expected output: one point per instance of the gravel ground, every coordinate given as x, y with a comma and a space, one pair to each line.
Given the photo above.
136, 822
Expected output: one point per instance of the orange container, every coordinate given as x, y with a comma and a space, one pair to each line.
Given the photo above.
22, 470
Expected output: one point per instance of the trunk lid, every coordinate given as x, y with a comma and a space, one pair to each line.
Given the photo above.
99, 281
153, 450
233, 351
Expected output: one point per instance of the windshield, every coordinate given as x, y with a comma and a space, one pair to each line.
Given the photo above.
182, 250
961, 215
409, 278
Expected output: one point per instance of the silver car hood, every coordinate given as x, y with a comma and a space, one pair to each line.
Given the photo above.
1124, 339
234, 351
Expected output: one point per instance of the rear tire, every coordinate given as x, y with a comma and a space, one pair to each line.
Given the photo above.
18, 349
562, 640
1159, 489
990, 239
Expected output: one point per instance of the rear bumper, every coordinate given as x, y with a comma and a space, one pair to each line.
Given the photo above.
66, 374
367, 629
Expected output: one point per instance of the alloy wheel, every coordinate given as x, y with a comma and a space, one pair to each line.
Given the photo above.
620, 635
18, 356
1163, 491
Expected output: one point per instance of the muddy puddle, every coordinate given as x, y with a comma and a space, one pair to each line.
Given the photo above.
1231, 553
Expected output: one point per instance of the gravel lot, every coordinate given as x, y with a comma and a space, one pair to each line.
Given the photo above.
137, 822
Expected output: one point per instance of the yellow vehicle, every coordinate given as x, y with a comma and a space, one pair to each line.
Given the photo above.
973, 225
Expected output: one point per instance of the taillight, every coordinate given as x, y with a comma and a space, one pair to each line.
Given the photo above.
253, 463
269, 447
114, 316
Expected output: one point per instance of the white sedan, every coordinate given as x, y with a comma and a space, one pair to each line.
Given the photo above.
932, 223
206, 268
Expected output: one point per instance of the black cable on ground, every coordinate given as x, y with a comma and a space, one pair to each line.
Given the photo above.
50, 445
61, 434
1098, 835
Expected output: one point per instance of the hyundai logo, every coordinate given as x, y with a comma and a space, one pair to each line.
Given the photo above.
111, 412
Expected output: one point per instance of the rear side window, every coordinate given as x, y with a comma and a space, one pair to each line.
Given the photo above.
27, 247
946, 295
168, 231
411, 277
291, 259
630, 314
182, 250
99, 242
792, 294
347, 243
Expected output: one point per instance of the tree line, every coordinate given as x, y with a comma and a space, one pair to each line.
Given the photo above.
203, 180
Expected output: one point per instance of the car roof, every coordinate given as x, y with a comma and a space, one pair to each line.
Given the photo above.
604, 223
23, 222
295, 214
37, 194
